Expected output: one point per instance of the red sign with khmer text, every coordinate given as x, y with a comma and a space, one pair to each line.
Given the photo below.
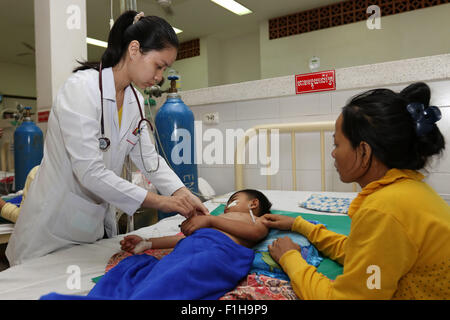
315, 82
43, 116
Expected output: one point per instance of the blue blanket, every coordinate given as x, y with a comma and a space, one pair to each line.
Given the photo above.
263, 262
205, 265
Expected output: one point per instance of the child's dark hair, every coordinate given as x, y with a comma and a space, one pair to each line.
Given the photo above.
264, 203
380, 118
153, 33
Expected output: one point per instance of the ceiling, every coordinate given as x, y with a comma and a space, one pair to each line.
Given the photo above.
197, 18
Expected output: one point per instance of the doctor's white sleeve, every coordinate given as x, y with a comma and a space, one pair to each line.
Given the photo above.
164, 179
78, 112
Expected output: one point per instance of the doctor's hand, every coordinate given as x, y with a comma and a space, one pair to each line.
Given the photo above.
180, 204
181, 201
198, 208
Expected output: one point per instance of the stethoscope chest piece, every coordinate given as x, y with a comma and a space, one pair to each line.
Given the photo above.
104, 143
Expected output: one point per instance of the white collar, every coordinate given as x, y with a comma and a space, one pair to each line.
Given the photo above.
109, 88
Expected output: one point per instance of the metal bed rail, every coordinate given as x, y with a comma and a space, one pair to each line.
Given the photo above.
289, 128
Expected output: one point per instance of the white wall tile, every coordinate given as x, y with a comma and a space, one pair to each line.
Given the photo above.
311, 180
440, 93
442, 163
220, 179
305, 104
255, 180
308, 151
310, 118
307, 180
325, 102
257, 109
440, 182
227, 111
247, 124
286, 180
446, 197
212, 137
339, 186
340, 98
306, 108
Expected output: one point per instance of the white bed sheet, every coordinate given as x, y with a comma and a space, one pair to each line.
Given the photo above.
289, 200
50, 273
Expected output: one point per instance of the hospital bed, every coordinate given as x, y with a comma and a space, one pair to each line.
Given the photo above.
71, 270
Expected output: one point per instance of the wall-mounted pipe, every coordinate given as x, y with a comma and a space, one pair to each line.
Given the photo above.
126, 5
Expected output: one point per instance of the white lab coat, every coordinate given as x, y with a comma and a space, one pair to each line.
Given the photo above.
73, 197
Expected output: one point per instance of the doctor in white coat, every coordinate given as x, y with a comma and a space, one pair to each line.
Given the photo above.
78, 185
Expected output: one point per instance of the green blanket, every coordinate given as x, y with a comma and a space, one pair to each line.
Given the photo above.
339, 224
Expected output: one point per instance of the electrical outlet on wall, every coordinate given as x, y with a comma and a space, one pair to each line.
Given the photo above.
211, 118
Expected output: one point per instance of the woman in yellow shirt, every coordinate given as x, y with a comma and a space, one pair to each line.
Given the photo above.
398, 245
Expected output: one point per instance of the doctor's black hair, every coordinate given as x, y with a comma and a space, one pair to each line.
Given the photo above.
152, 32
380, 118
264, 203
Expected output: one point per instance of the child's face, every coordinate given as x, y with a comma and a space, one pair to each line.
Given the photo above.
238, 203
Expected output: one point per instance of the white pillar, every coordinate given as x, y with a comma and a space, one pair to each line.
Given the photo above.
60, 40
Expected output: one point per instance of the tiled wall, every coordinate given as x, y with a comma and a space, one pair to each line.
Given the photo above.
305, 108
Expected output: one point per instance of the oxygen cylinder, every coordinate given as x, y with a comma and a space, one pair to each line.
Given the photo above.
175, 126
28, 149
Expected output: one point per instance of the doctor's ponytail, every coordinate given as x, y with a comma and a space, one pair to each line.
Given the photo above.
152, 33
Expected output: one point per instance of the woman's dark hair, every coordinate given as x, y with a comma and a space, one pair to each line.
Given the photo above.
153, 33
380, 118
264, 203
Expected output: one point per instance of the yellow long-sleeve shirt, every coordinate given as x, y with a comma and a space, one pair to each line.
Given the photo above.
397, 248
10, 211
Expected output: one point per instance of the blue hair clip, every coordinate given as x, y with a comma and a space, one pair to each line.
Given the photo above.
424, 118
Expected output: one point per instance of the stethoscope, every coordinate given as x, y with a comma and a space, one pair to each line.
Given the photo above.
104, 142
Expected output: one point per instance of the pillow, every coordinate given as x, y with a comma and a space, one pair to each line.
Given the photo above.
323, 203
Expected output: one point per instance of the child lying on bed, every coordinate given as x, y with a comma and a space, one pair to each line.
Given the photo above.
244, 206
207, 262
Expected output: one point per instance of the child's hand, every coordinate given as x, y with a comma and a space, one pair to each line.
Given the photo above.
194, 223
129, 243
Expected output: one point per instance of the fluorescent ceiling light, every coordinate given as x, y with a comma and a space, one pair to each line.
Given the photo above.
233, 6
96, 42
177, 31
